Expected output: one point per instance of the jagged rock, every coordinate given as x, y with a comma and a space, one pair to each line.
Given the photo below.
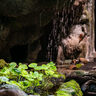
22, 24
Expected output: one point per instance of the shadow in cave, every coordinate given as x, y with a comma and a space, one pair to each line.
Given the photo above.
42, 56
19, 53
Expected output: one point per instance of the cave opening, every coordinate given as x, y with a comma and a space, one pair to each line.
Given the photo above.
19, 53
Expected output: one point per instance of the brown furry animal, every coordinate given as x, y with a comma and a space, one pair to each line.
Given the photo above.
74, 45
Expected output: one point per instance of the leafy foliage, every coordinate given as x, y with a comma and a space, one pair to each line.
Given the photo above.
79, 65
26, 79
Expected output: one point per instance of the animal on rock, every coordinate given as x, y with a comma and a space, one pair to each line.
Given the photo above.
73, 46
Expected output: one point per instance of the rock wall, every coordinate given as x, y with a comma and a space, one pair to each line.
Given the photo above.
21, 23
25, 27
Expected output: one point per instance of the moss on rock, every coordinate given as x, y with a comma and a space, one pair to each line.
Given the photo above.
70, 88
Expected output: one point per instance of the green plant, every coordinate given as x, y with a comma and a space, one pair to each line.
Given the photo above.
26, 79
79, 65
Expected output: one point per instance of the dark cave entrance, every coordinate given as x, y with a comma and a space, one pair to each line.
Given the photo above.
19, 53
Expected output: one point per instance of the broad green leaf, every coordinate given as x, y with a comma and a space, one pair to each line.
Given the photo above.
44, 67
22, 66
40, 77
55, 75
5, 71
16, 71
24, 73
51, 64
36, 74
38, 68
32, 65
31, 73
49, 72
12, 65
53, 68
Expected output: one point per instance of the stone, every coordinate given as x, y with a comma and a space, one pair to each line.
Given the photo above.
70, 88
89, 88
68, 61
11, 90
83, 60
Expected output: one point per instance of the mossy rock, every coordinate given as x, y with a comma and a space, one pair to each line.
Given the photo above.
70, 88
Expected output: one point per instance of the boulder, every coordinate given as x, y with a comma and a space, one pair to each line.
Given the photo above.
70, 88
11, 90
